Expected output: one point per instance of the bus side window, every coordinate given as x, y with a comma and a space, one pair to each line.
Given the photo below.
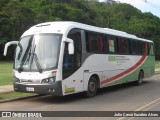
151, 50
123, 46
110, 44
94, 42
133, 48
72, 62
136, 47
100, 43
66, 61
143, 45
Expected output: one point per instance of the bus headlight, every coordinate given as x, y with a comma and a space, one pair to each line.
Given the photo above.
48, 80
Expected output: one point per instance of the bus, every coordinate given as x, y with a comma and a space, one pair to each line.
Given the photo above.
65, 57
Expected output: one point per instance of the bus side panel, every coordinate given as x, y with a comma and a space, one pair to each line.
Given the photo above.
122, 69
147, 66
111, 70
73, 83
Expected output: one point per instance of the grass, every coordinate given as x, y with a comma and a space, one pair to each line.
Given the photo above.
6, 79
157, 64
6, 73
13, 95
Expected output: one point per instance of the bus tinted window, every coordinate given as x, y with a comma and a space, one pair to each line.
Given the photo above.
139, 47
72, 62
151, 50
123, 46
110, 44
94, 42
133, 47
143, 46
75, 35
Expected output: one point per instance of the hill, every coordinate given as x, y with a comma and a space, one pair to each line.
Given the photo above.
16, 16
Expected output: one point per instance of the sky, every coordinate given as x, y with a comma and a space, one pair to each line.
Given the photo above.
152, 6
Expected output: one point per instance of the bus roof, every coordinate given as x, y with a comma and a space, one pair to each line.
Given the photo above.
63, 27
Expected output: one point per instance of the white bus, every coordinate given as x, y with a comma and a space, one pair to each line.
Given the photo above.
62, 58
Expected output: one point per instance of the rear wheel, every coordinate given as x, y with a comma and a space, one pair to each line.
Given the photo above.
140, 78
92, 87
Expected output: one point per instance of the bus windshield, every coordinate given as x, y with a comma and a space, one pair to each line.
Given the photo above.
38, 52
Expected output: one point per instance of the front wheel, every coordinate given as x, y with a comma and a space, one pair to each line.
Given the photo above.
92, 87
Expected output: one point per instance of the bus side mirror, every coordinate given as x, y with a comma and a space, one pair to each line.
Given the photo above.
70, 46
7, 45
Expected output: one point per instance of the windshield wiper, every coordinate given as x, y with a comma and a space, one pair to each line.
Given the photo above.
34, 56
29, 55
37, 63
20, 52
20, 69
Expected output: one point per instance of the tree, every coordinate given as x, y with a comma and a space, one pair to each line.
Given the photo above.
16, 16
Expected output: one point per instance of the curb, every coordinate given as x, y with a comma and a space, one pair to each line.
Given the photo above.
20, 98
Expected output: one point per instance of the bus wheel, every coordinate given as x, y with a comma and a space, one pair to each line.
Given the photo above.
92, 87
140, 78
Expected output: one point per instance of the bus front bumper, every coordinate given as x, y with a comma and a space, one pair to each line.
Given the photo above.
46, 89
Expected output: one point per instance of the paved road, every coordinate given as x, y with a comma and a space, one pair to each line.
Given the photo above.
118, 98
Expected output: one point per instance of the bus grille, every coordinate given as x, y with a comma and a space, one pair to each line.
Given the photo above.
29, 81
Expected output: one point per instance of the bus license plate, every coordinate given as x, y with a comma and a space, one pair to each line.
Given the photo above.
31, 89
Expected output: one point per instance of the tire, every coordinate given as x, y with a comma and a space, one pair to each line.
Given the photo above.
92, 87
140, 78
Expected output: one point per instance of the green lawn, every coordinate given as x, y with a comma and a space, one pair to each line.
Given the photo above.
6, 73
13, 95
157, 64
6, 79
